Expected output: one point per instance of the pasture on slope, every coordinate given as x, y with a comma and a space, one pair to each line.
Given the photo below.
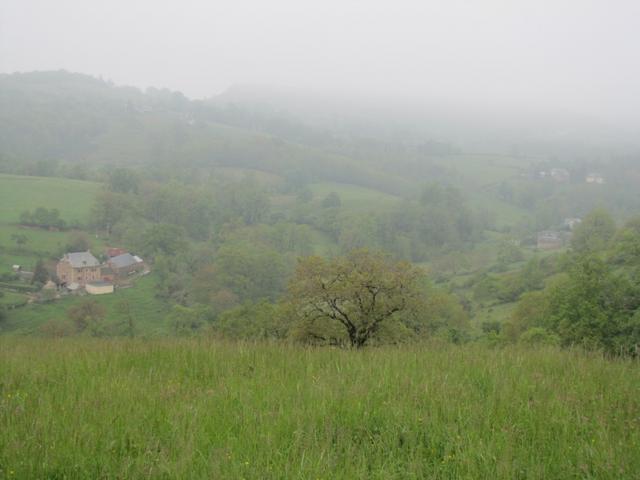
73, 198
86, 408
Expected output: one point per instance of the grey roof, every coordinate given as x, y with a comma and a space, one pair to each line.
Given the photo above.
124, 260
82, 259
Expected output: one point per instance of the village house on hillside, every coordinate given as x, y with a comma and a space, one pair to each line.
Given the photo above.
78, 267
560, 175
549, 240
81, 270
594, 178
572, 223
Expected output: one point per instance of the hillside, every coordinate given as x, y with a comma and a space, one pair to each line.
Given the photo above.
59, 122
72, 198
24, 246
241, 190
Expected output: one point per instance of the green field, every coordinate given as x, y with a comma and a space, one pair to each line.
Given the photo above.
7, 260
73, 198
12, 298
149, 311
483, 170
39, 241
82, 408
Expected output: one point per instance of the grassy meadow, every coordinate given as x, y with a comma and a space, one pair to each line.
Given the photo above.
73, 198
84, 408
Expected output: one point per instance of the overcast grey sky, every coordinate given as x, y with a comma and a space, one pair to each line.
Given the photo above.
580, 55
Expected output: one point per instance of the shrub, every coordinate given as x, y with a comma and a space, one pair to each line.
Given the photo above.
537, 336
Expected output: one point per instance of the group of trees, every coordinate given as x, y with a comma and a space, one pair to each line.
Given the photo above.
549, 202
221, 253
353, 297
198, 211
595, 300
164, 222
421, 229
362, 298
43, 217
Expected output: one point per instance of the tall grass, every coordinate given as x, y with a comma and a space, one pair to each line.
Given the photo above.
81, 408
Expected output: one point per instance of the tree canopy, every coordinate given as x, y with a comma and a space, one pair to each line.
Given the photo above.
354, 295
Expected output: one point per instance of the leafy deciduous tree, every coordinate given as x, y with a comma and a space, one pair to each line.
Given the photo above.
40, 273
594, 232
88, 315
357, 293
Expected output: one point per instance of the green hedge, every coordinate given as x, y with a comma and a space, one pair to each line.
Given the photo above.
19, 287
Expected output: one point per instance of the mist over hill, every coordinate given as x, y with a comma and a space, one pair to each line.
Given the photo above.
55, 119
473, 127
52, 118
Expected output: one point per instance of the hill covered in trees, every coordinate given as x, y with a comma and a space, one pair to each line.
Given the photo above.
224, 195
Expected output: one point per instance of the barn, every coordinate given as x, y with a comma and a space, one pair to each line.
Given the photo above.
125, 264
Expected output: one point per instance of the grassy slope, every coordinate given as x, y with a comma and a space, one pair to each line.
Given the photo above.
73, 198
186, 409
480, 174
148, 311
39, 241
12, 298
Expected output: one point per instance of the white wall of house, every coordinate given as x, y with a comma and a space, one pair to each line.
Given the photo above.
98, 289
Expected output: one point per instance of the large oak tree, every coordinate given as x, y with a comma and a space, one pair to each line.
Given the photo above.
355, 294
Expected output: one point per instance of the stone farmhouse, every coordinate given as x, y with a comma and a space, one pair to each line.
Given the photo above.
560, 175
83, 270
594, 178
549, 240
79, 268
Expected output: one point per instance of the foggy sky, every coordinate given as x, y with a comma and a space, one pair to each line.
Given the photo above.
577, 55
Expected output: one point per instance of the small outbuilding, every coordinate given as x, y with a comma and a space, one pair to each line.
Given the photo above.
125, 264
594, 178
99, 288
